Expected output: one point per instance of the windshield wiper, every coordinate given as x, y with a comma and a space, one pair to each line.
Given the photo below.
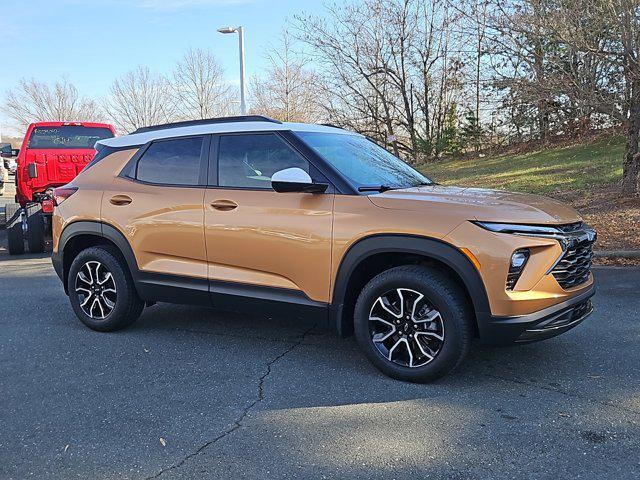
375, 188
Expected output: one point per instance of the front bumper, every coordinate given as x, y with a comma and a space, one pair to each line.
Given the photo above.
539, 325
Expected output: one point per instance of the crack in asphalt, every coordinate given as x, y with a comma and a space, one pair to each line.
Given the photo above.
604, 403
226, 335
237, 423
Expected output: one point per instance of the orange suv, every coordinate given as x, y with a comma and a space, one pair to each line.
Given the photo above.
247, 213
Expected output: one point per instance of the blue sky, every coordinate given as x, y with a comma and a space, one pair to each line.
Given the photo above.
93, 41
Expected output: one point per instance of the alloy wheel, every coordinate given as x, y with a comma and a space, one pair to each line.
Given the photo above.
406, 328
96, 290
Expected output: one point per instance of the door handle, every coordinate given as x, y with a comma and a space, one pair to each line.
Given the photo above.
223, 205
120, 200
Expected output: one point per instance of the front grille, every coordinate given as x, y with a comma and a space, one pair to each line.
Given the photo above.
571, 227
574, 267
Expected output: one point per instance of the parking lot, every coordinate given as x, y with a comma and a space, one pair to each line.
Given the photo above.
195, 393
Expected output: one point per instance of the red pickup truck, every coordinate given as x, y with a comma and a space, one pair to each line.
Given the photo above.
52, 154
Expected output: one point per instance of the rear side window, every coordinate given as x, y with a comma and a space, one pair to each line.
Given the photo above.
249, 160
172, 162
67, 136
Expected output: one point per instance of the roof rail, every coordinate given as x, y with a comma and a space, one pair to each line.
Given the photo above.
189, 123
331, 125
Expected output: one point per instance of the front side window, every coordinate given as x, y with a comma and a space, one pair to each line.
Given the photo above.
249, 161
172, 162
67, 136
362, 161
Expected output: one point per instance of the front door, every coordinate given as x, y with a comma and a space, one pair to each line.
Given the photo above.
262, 244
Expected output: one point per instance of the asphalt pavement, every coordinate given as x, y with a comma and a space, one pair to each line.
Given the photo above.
195, 393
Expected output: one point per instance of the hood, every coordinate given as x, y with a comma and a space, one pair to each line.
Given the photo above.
478, 204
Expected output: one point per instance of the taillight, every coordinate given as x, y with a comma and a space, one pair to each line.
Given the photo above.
60, 194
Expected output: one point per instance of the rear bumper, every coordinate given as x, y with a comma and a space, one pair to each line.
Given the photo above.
540, 325
56, 259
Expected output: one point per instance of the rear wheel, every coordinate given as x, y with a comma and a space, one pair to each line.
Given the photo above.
101, 290
36, 232
13, 224
413, 323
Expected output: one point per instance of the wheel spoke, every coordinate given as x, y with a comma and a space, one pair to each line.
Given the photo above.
387, 306
428, 354
108, 303
415, 304
84, 278
431, 334
431, 316
107, 277
381, 337
100, 306
86, 300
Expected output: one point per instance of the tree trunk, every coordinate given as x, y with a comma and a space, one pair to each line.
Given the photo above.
631, 168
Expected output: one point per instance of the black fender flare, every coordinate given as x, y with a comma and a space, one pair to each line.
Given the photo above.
412, 244
97, 229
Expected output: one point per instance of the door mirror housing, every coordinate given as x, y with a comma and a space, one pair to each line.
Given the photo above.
295, 180
9, 152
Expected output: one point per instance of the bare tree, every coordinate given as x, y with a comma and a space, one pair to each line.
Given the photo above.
391, 70
289, 90
608, 30
139, 99
198, 87
33, 101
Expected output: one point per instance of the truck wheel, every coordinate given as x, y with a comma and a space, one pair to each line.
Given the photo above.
413, 323
13, 224
101, 290
35, 232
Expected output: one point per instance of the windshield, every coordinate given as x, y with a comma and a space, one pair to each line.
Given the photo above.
362, 161
67, 136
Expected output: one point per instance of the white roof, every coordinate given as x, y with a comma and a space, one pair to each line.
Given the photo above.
229, 127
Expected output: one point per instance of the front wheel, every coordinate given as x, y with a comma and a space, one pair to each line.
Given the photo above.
101, 290
413, 323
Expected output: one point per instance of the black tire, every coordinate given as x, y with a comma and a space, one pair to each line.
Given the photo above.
36, 232
128, 306
443, 295
13, 223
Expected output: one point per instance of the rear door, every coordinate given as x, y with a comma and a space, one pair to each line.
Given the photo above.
158, 207
262, 244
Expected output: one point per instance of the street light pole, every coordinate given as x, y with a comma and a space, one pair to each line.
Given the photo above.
240, 31
243, 105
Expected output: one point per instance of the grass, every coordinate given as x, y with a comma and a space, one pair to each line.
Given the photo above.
579, 167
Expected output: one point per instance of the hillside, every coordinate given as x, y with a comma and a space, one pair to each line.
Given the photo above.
584, 175
576, 167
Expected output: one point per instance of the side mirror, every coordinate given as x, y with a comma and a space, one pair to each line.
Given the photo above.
32, 170
295, 180
9, 152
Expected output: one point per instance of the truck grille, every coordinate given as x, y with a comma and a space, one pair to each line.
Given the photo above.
574, 267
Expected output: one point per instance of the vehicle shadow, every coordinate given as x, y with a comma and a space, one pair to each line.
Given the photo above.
320, 392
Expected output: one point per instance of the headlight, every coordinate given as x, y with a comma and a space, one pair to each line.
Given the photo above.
515, 228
